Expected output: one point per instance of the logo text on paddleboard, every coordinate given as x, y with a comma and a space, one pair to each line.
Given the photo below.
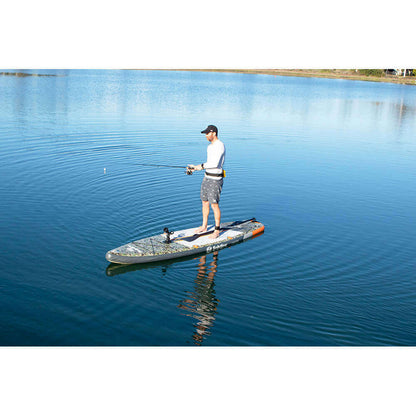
216, 247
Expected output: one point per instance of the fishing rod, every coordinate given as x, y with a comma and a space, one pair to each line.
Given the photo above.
160, 166
189, 171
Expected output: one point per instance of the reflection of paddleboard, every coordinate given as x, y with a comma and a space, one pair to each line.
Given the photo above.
183, 243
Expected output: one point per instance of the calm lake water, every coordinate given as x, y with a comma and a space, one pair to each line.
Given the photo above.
327, 165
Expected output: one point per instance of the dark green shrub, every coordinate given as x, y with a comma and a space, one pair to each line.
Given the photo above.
371, 72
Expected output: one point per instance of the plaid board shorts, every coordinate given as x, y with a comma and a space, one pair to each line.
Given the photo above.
211, 190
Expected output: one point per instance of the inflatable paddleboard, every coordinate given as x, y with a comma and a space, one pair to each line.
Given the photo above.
171, 245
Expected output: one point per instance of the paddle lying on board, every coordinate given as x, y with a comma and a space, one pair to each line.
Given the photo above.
196, 236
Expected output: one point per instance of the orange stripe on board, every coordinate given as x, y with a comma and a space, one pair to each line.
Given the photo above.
258, 231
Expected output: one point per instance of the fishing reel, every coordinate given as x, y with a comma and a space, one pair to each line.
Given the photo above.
189, 171
167, 234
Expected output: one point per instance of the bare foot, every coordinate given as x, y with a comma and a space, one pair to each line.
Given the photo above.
200, 230
215, 235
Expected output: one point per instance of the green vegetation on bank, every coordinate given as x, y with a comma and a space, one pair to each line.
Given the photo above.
372, 72
374, 75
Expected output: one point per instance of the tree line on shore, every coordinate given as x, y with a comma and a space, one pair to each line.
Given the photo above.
385, 72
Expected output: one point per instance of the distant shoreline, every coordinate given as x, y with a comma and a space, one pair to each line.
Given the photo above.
347, 74
316, 73
25, 74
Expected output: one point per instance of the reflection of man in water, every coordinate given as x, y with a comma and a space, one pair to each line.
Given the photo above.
202, 303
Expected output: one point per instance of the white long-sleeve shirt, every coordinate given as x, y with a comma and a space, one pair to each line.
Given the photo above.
215, 158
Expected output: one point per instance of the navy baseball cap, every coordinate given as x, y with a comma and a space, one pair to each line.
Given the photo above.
209, 129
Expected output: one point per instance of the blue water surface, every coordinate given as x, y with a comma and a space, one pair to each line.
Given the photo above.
327, 165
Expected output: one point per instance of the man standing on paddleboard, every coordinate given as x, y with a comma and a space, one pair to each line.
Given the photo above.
213, 180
